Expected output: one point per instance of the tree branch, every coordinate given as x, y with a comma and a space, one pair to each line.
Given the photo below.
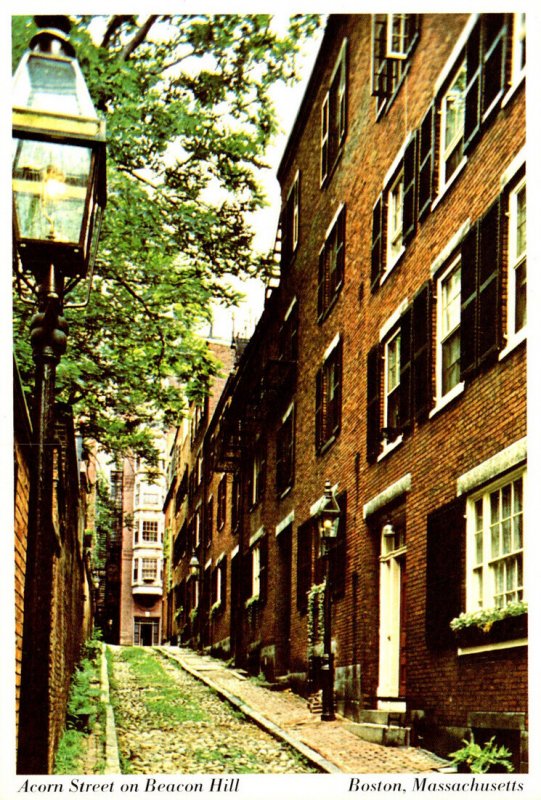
116, 22
138, 38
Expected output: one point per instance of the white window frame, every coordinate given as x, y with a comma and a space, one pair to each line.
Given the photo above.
518, 70
296, 212
481, 593
340, 65
391, 52
149, 564
447, 149
514, 336
393, 340
256, 570
395, 222
150, 522
442, 336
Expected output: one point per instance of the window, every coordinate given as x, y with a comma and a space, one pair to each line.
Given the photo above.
256, 570
333, 116
236, 502
150, 569
329, 397
288, 336
135, 570
222, 503
516, 314
393, 40
256, 476
285, 451
452, 110
219, 583
331, 264
448, 350
304, 565
209, 522
150, 530
395, 205
391, 408
519, 48
290, 222
495, 545
151, 498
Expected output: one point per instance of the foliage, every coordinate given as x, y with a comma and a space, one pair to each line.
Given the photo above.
484, 618
105, 521
83, 712
315, 622
189, 117
480, 759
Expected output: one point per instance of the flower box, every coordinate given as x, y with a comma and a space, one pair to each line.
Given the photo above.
500, 630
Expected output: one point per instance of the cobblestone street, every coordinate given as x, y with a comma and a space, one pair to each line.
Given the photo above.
175, 724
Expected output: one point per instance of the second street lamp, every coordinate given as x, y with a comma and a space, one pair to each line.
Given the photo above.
328, 517
58, 178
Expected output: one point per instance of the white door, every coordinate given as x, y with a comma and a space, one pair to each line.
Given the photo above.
391, 629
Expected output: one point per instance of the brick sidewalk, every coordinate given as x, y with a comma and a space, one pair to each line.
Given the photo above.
340, 747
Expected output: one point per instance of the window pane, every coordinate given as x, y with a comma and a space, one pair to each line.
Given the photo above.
451, 362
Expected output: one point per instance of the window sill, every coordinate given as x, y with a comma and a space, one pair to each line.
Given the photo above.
331, 304
391, 266
390, 446
513, 342
502, 634
322, 449
514, 88
282, 493
443, 402
444, 189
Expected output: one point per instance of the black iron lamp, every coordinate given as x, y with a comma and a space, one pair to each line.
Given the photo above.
328, 518
195, 566
59, 194
59, 185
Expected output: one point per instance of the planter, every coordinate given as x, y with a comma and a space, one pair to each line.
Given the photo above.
501, 630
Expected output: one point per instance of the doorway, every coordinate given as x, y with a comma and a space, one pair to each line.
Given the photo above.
146, 632
392, 608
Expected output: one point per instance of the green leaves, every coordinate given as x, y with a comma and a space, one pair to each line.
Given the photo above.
189, 117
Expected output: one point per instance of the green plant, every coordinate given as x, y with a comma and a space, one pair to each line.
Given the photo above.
485, 617
480, 759
315, 623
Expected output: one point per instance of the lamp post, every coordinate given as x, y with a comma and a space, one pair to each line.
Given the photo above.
195, 574
58, 178
328, 517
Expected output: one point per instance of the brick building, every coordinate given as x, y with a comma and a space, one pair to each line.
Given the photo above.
389, 359
140, 566
49, 630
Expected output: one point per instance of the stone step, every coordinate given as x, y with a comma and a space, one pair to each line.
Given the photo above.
377, 733
378, 717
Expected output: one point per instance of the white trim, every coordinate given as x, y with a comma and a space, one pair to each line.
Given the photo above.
290, 309
442, 402
401, 486
208, 564
450, 247
389, 447
316, 507
397, 162
331, 347
220, 559
391, 321
283, 524
516, 164
288, 411
500, 462
443, 399
235, 551
257, 536
442, 190
333, 223
484, 648
455, 53
513, 342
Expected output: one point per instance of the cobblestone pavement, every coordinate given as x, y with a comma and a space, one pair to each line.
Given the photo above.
188, 729
333, 740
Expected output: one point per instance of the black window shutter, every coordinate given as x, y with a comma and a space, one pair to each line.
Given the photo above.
263, 568
422, 351
379, 59
489, 263
445, 558
304, 565
319, 409
223, 593
340, 246
406, 369
262, 482
472, 121
494, 58
377, 243
247, 575
335, 413
322, 279
410, 182
468, 311
338, 555
426, 162
373, 404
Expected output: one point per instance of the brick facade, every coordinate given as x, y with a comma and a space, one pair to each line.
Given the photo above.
396, 339
41, 699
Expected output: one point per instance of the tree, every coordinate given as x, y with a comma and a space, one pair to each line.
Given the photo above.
189, 117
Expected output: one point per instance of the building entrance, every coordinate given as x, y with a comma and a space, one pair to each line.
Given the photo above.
146, 632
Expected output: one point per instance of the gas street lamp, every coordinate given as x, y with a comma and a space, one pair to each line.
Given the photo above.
328, 518
59, 193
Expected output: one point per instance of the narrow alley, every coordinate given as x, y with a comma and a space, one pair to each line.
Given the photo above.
169, 722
